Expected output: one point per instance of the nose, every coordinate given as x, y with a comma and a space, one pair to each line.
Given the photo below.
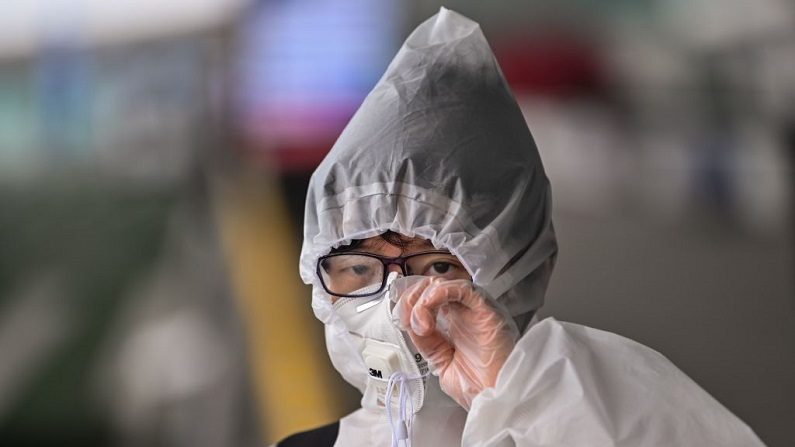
395, 268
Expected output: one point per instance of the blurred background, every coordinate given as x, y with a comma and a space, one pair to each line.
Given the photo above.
154, 157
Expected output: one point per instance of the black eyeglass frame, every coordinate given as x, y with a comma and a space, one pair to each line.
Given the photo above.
385, 260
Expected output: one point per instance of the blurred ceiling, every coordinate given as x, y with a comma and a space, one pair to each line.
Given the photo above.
26, 25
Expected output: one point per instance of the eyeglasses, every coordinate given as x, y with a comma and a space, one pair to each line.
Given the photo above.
360, 274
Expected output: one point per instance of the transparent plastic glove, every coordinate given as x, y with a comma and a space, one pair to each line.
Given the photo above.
475, 338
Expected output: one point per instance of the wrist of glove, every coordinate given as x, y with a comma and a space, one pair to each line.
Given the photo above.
465, 335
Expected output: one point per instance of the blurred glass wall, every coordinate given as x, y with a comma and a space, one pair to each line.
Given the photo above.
117, 319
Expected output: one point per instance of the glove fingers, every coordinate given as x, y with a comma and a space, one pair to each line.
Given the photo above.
408, 300
440, 293
435, 348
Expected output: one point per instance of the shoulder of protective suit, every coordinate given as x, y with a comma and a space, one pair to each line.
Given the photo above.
569, 340
568, 384
583, 336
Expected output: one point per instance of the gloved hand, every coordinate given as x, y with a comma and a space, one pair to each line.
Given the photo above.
469, 347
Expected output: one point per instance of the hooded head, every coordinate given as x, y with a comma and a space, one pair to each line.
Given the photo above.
440, 150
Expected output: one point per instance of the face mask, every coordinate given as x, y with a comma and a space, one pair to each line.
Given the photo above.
387, 352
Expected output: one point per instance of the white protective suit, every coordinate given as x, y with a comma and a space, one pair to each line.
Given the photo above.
439, 149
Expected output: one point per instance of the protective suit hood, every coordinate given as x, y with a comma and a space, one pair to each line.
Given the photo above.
439, 149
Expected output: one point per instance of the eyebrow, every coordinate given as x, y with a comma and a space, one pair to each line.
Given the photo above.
408, 248
374, 244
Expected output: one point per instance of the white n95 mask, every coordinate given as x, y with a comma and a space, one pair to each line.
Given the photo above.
387, 352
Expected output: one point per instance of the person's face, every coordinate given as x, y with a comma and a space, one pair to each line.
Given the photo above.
443, 265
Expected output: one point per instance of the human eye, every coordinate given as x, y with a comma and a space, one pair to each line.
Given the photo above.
440, 268
444, 266
358, 269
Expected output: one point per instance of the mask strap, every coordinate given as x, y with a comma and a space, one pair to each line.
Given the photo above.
400, 430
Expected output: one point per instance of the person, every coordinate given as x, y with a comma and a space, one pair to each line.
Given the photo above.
429, 245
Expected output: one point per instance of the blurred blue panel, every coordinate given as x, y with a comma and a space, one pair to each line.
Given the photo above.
307, 64
63, 80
